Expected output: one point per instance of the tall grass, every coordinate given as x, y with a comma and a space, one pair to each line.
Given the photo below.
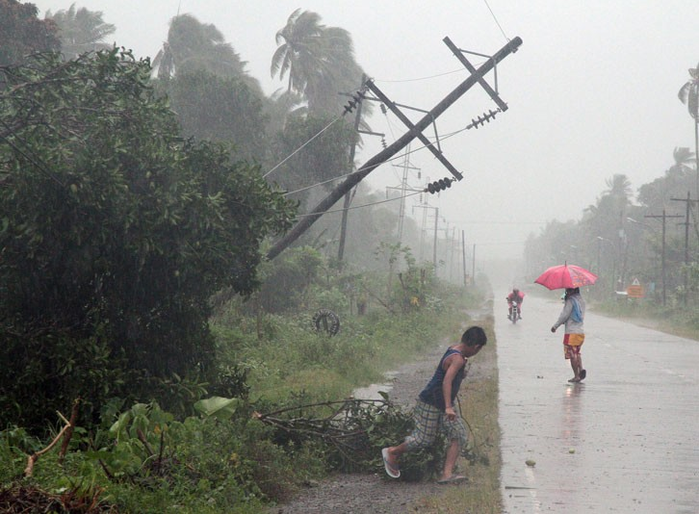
292, 358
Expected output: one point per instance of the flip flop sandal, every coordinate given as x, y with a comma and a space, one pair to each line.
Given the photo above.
583, 374
390, 470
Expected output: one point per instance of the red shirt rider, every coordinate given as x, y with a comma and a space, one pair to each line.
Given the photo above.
517, 295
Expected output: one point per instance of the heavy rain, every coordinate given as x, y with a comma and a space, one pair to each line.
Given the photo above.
237, 237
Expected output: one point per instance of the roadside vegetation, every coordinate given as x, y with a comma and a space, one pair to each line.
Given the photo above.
673, 319
236, 443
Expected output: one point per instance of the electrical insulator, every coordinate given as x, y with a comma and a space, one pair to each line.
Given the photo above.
439, 185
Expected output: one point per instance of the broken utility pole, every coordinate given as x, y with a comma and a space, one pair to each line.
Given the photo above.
415, 131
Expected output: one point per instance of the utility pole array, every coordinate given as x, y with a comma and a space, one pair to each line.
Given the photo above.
414, 131
662, 255
403, 188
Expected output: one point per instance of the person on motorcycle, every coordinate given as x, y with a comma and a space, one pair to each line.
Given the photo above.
515, 296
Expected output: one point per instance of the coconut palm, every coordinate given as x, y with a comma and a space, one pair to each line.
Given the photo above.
319, 61
689, 95
300, 51
193, 46
80, 30
683, 158
689, 92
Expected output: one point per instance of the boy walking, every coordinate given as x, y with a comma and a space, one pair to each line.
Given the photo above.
434, 411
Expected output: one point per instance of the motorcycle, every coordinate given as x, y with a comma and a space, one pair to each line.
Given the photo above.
514, 312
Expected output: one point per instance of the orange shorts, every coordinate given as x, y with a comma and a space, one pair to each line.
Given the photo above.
572, 344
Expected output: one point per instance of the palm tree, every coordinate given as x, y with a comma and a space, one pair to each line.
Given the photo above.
689, 95
80, 30
300, 51
319, 61
192, 46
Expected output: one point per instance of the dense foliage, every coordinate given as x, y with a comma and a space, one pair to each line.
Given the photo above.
114, 234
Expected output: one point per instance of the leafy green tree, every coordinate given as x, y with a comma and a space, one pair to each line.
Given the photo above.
326, 159
115, 232
81, 30
282, 106
22, 32
222, 109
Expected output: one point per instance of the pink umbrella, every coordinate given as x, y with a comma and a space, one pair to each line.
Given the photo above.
566, 276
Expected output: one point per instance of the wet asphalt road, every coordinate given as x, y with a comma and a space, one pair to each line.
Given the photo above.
626, 440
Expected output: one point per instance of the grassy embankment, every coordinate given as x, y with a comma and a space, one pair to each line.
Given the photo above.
676, 319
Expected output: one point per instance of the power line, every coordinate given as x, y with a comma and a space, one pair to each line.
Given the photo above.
460, 70
483, 222
429, 77
496, 20
303, 145
365, 205
403, 155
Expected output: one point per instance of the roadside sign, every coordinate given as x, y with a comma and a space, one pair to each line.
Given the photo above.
635, 290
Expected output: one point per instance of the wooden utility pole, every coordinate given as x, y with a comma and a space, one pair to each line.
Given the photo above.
688, 203
463, 255
381, 157
662, 255
436, 229
473, 263
348, 195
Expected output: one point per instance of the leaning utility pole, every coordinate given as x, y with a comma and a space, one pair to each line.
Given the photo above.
415, 131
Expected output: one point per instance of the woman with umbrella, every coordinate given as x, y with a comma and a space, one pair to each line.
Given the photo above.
573, 315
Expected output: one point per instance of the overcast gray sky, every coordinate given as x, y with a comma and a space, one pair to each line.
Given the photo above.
591, 92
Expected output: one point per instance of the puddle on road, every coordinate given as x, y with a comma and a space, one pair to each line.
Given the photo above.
371, 392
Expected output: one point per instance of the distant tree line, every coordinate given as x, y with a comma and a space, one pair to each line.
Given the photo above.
620, 237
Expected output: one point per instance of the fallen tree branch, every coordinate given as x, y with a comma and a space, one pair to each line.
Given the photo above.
69, 431
35, 456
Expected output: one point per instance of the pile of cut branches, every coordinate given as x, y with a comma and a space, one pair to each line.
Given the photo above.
354, 431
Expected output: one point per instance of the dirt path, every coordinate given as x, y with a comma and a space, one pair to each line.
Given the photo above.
375, 493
